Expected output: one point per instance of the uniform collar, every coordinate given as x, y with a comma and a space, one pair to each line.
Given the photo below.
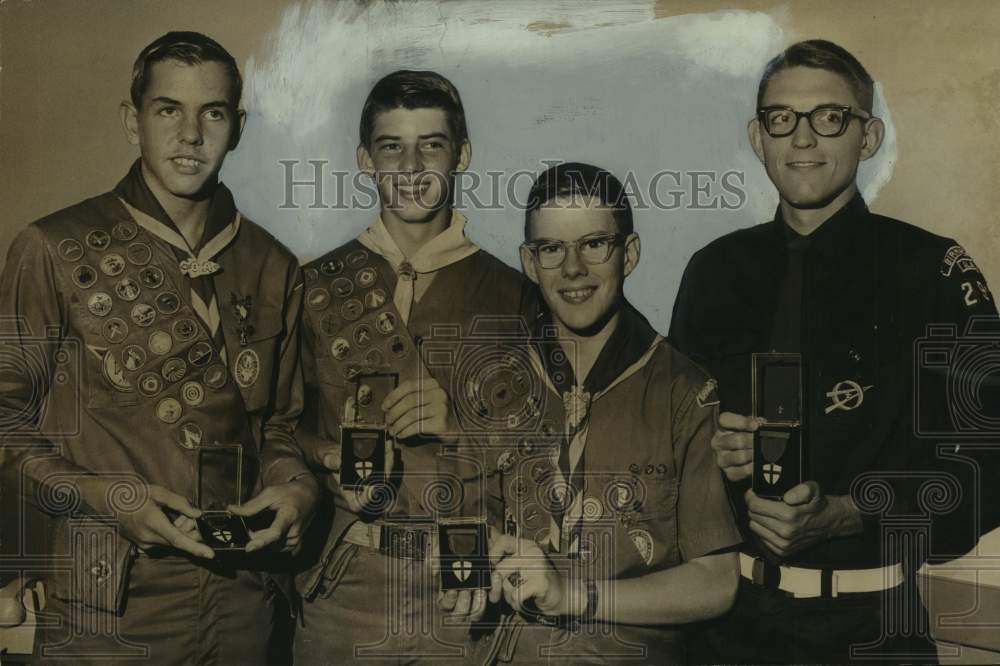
835, 236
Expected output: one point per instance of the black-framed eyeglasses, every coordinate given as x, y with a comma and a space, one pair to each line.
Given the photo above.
829, 120
592, 249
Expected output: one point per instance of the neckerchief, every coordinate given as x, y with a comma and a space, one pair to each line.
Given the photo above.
196, 263
626, 351
448, 247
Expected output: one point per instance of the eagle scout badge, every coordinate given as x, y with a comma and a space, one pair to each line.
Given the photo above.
247, 368
241, 308
643, 541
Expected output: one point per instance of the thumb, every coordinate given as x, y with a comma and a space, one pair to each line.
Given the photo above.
802, 493
331, 458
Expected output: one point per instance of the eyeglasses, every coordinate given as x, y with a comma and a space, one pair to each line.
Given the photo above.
828, 121
592, 249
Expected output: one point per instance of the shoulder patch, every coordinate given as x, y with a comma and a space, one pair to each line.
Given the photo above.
957, 256
707, 395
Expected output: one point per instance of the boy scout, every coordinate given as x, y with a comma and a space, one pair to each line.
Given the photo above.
369, 304
612, 526
853, 293
166, 376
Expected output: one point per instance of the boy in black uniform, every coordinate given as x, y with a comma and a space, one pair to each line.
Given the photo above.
853, 293
612, 520
369, 304
157, 374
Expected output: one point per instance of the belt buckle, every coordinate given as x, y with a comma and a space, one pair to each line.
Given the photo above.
765, 574
834, 578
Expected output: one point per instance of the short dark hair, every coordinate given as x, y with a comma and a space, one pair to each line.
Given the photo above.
578, 178
821, 54
190, 48
410, 89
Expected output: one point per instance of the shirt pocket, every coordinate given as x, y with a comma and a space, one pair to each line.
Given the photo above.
647, 540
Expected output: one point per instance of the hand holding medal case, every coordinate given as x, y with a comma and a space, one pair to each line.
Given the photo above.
779, 449
363, 439
465, 562
220, 484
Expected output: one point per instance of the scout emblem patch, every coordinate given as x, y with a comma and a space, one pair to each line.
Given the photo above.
643, 541
846, 395
241, 308
247, 368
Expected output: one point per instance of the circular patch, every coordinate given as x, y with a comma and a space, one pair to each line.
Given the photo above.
375, 298
356, 258
366, 277
215, 376
168, 303
200, 353
190, 435
150, 384
160, 343
352, 309
363, 335
311, 274
114, 330
151, 277
112, 264
342, 287
99, 240
70, 249
168, 410
99, 304
374, 357
139, 253
174, 369
193, 393
127, 289
84, 276
331, 267
385, 323
247, 368
114, 374
124, 231
185, 329
340, 348
330, 323
592, 509
318, 298
643, 541
397, 346
133, 357
143, 314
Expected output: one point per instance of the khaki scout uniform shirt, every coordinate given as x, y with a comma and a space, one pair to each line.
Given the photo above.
648, 492
112, 374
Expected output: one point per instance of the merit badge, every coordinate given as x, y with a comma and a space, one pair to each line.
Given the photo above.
168, 303
241, 308
151, 277
124, 231
174, 370
247, 368
99, 240
99, 304
352, 309
342, 287
84, 276
318, 298
397, 347
385, 323
133, 357
150, 384
200, 353
374, 357
112, 264
114, 330
340, 348
366, 277
331, 267
168, 410
215, 376
70, 249
356, 258
375, 298
127, 289
363, 335
330, 323
311, 274
143, 314
846, 395
643, 541
184, 329
193, 393
113, 373
139, 254
190, 435
160, 343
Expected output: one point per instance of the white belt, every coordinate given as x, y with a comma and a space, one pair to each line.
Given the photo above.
807, 583
412, 542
